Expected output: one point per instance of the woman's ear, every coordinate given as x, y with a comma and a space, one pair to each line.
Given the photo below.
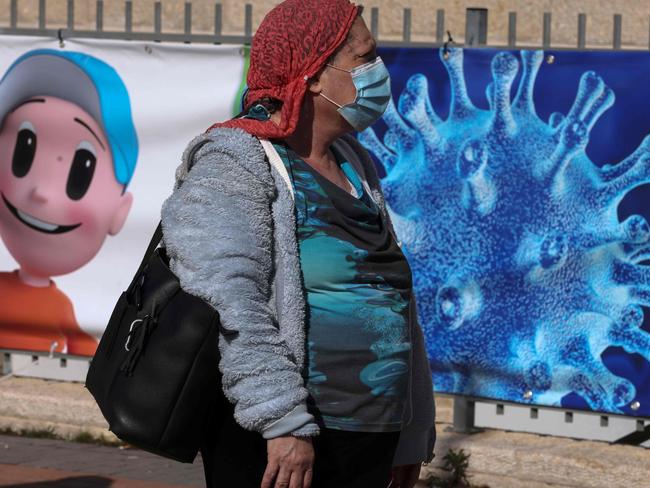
314, 84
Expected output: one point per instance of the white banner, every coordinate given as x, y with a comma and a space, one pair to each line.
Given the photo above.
176, 91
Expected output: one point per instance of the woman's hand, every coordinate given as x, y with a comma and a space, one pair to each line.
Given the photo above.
290, 462
405, 476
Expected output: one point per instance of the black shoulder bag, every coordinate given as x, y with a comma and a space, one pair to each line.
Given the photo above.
155, 374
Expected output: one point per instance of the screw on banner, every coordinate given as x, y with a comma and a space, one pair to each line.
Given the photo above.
59, 35
445, 47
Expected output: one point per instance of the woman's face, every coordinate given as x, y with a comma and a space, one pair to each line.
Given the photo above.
359, 48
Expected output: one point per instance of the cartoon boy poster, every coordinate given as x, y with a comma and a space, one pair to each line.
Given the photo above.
68, 149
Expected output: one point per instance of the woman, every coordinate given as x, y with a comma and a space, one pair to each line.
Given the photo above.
321, 352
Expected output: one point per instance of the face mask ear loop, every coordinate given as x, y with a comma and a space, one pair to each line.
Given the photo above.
330, 100
340, 69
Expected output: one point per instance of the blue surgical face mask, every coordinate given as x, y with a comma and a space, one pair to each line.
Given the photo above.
373, 94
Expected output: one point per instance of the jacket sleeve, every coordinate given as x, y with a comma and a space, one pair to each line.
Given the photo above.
218, 233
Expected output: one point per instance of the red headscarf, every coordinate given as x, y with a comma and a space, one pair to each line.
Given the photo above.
291, 45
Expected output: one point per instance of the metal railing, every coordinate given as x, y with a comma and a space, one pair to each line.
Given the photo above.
69, 30
476, 28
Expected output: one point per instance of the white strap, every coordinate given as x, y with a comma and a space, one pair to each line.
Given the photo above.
276, 161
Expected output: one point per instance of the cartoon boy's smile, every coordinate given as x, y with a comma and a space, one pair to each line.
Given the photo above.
61, 197
36, 224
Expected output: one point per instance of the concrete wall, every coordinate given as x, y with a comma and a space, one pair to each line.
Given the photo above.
636, 17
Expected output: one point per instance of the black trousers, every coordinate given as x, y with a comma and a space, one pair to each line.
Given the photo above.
236, 457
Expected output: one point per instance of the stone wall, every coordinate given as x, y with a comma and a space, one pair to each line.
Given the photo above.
636, 18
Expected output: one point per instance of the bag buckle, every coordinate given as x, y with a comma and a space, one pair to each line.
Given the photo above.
129, 335
139, 331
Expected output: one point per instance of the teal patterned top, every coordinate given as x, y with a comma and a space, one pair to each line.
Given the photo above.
358, 286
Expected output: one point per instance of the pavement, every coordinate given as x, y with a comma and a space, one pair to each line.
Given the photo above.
30, 462
498, 459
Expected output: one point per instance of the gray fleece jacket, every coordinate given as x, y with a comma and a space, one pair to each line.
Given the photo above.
230, 231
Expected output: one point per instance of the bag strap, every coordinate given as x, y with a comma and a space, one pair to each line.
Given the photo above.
155, 240
276, 161
158, 234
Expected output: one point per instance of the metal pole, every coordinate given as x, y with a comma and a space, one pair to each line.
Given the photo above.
99, 15
157, 17
218, 19
440, 25
546, 43
512, 29
13, 22
406, 29
582, 31
71, 14
374, 22
41, 14
618, 31
248, 21
128, 16
476, 26
188, 18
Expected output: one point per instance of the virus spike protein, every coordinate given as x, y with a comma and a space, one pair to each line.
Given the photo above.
519, 260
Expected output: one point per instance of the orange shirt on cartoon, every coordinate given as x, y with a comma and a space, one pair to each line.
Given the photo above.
31, 318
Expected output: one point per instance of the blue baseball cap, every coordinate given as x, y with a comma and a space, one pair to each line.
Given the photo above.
85, 81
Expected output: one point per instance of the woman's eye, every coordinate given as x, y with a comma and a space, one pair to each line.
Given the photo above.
81, 173
24, 153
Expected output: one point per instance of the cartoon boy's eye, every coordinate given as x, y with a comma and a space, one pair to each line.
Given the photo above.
24, 151
81, 171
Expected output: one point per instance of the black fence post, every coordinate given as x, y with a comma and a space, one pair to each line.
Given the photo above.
157, 17
248, 21
582, 31
546, 36
70, 12
476, 26
618, 31
440, 26
13, 14
512, 29
374, 22
41, 14
406, 29
218, 19
99, 15
128, 16
188, 19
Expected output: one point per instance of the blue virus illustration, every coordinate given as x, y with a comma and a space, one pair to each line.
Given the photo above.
523, 272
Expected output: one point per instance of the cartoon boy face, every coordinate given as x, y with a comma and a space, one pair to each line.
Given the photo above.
59, 197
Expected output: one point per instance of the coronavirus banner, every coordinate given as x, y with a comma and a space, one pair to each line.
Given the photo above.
516, 181
91, 133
